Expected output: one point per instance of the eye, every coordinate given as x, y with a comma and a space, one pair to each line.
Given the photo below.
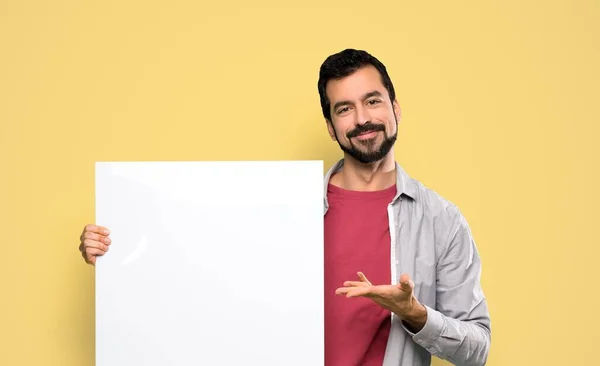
343, 110
374, 101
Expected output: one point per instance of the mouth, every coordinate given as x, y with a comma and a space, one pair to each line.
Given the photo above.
366, 135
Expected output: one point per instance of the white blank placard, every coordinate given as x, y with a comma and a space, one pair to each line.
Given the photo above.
211, 263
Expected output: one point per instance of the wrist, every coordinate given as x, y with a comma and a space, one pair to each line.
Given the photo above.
415, 316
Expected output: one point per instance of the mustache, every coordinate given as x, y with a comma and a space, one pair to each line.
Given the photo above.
367, 127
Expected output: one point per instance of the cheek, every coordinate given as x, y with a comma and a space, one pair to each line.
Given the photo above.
341, 129
332, 130
391, 124
392, 127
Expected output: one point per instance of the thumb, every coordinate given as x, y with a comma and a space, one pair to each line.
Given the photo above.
405, 283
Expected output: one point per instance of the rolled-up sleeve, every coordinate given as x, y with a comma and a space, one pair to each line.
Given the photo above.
459, 328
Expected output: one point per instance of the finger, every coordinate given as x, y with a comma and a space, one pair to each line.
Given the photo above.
369, 291
88, 243
341, 291
363, 278
94, 231
384, 291
97, 229
97, 237
406, 284
93, 252
355, 283
344, 290
404, 277
90, 259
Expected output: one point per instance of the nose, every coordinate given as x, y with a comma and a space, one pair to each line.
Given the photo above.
362, 115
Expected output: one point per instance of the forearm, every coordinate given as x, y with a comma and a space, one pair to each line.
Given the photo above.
460, 342
458, 326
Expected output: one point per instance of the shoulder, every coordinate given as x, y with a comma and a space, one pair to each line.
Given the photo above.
428, 206
433, 203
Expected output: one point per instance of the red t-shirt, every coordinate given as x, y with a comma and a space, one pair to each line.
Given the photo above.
357, 239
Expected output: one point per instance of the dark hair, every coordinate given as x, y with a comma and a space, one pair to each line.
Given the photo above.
344, 63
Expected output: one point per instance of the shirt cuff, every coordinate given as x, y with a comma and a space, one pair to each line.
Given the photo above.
428, 336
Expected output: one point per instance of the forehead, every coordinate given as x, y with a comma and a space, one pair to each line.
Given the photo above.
356, 85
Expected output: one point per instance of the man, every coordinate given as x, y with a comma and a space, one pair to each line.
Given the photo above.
402, 272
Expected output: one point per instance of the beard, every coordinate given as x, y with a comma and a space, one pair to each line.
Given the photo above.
369, 153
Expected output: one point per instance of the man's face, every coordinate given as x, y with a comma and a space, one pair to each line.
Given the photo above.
364, 121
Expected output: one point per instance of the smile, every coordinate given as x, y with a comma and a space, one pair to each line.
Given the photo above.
367, 135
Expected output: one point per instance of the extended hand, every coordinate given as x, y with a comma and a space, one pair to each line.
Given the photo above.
398, 299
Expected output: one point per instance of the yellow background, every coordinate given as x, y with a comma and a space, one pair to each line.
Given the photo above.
500, 116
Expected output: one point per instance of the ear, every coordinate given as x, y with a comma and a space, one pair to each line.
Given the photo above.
330, 129
397, 111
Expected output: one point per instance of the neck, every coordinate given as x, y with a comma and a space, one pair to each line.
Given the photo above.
375, 176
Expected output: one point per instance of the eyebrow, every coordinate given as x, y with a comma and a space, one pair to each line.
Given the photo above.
374, 93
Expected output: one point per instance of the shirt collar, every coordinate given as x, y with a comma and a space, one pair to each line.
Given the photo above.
404, 184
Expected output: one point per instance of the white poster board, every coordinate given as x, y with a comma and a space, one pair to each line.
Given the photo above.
211, 263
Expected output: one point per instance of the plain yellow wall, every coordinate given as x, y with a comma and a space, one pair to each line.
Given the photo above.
500, 116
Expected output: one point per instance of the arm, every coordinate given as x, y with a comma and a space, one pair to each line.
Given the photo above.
458, 330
